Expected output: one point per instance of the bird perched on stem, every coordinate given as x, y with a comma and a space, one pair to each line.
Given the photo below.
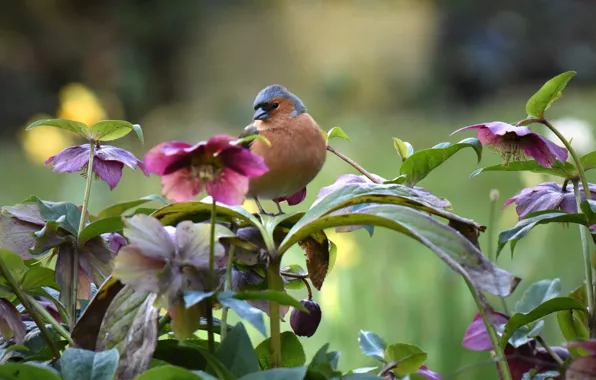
297, 151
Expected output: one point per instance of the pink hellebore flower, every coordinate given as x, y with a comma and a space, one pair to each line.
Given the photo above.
547, 196
517, 142
107, 163
218, 166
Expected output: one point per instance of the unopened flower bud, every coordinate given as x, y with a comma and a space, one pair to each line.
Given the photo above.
494, 195
305, 324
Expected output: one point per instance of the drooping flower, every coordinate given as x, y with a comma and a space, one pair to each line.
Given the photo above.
547, 196
168, 263
521, 359
114, 240
293, 199
220, 167
517, 142
107, 163
303, 323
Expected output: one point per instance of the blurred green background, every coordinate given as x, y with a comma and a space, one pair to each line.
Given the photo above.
411, 69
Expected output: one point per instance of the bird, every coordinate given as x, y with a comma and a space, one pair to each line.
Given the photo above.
297, 149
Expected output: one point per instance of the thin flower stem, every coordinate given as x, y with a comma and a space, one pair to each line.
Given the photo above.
210, 336
303, 278
354, 164
227, 286
14, 285
492, 333
492, 226
50, 319
275, 283
550, 351
75, 258
163, 321
587, 262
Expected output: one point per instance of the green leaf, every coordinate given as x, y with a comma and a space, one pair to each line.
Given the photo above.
174, 213
130, 326
170, 372
403, 148
538, 293
550, 91
98, 227
120, 208
139, 131
337, 132
369, 376
551, 306
27, 371
193, 297
560, 170
53, 211
324, 365
293, 283
292, 352
108, 130
13, 263
421, 163
78, 364
271, 295
572, 328
37, 277
524, 226
49, 237
244, 310
179, 353
372, 345
69, 125
296, 373
448, 244
588, 161
236, 352
215, 366
409, 358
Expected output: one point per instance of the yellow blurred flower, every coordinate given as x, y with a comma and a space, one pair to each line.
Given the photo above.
42, 142
79, 103
329, 297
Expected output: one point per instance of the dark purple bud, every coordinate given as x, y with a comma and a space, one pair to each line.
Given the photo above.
305, 324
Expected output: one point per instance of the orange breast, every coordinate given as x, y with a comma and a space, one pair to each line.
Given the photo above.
296, 155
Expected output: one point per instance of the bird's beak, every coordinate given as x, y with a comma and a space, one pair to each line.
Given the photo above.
260, 114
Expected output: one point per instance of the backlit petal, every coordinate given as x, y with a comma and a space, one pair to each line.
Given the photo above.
109, 171
180, 186
229, 188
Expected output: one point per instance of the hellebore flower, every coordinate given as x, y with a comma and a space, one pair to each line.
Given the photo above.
547, 196
11, 324
168, 264
217, 165
584, 367
293, 199
305, 324
107, 164
114, 240
521, 359
517, 142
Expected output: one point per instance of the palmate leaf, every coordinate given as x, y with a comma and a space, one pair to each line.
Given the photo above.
451, 247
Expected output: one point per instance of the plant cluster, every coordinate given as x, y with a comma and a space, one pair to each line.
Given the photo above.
121, 294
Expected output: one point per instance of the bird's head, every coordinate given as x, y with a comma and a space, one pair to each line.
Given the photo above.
277, 103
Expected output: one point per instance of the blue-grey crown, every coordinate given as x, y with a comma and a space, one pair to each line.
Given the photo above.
279, 91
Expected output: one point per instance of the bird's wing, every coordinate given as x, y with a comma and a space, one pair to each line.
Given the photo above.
249, 131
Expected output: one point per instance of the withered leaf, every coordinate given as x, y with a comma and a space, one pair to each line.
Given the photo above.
316, 249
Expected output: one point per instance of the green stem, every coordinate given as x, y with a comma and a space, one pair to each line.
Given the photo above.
210, 336
492, 333
550, 351
163, 321
354, 164
275, 283
49, 319
492, 226
14, 285
583, 232
75, 258
227, 286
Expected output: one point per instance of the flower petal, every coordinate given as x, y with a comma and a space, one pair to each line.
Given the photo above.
243, 161
476, 336
70, 159
293, 199
159, 158
150, 237
180, 186
192, 240
477, 126
230, 188
219, 143
109, 171
111, 153
11, 324
544, 151
134, 268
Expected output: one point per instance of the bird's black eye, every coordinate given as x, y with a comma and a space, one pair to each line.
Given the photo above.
275, 105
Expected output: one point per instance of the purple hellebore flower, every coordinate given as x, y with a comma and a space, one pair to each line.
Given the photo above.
517, 142
107, 164
521, 359
217, 165
428, 374
293, 199
303, 323
547, 196
114, 240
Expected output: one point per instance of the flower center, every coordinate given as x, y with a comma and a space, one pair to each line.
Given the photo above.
512, 147
205, 170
